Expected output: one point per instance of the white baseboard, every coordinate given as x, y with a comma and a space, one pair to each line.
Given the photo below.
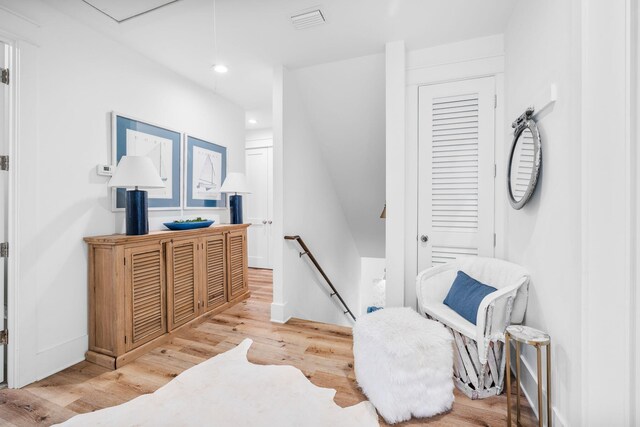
280, 312
60, 357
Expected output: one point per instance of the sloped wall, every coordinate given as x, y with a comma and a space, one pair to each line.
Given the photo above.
310, 208
345, 101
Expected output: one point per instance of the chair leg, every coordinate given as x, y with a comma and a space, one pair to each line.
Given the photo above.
549, 385
517, 383
540, 411
508, 374
473, 379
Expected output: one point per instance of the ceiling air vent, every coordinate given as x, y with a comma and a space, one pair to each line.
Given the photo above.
304, 20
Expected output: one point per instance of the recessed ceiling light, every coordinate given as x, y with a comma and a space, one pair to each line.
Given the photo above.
220, 68
253, 121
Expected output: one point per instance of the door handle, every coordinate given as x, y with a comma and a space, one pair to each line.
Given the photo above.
264, 221
424, 238
270, 222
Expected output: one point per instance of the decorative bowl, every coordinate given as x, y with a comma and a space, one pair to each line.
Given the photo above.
188, 225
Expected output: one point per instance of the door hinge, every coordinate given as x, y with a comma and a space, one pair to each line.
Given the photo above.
4, 337
125, 339
4, 75
495, 101
495, 170
4, 250
4, 163
495, 239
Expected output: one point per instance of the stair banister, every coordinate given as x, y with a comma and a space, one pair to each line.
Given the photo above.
307, 252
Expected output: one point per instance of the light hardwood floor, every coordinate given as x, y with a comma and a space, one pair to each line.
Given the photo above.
321, 351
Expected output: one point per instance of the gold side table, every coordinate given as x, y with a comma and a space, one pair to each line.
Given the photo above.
538, 339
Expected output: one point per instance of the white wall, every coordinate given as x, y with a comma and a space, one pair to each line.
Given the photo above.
371, 271
609, 215
310, 209
279, 307
72, 78
395, 162
577, 234
545, 235
345, 103
258, 138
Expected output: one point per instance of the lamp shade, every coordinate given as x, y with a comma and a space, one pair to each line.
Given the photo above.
235, 183
136, 171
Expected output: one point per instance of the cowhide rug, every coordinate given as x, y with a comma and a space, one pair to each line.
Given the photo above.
228, 390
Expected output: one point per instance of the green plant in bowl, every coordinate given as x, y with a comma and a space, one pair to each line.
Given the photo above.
182, 221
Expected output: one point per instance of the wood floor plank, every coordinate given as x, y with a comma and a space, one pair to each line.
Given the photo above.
322, 352
22, 408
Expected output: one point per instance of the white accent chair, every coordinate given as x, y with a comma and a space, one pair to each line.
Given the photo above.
479, 361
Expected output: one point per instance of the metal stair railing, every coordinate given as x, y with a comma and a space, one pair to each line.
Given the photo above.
334, 291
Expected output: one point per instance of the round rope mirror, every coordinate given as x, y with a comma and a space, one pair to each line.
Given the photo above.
525, 160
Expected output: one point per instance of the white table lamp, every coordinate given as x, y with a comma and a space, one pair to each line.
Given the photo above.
236, 183
133, 173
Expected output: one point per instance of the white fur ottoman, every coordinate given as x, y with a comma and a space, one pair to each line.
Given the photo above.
403, 363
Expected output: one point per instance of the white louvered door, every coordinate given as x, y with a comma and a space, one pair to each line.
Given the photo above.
456, 139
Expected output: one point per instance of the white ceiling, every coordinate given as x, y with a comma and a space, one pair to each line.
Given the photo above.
254, 35
121, 10
263, 117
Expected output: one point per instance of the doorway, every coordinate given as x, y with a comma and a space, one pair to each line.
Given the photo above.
456, 172
259, 205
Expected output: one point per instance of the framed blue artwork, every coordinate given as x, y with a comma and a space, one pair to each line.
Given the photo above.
206, 169
137, 138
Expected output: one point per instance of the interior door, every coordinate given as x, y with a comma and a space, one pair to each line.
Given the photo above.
259, 205
456, 139
4, 198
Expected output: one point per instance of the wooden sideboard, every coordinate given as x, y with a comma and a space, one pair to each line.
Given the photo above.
142, 289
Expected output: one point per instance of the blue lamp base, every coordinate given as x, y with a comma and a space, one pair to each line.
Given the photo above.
136, 212
235, 202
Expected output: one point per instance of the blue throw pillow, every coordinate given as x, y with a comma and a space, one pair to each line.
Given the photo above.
465, 296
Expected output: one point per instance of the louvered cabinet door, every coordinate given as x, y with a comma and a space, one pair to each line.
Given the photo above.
215, 278
144, 295
182, 281
456, 171
237, 263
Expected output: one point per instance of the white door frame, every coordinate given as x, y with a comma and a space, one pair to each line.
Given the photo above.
23, 35
5, 132
12, 211
463, 70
